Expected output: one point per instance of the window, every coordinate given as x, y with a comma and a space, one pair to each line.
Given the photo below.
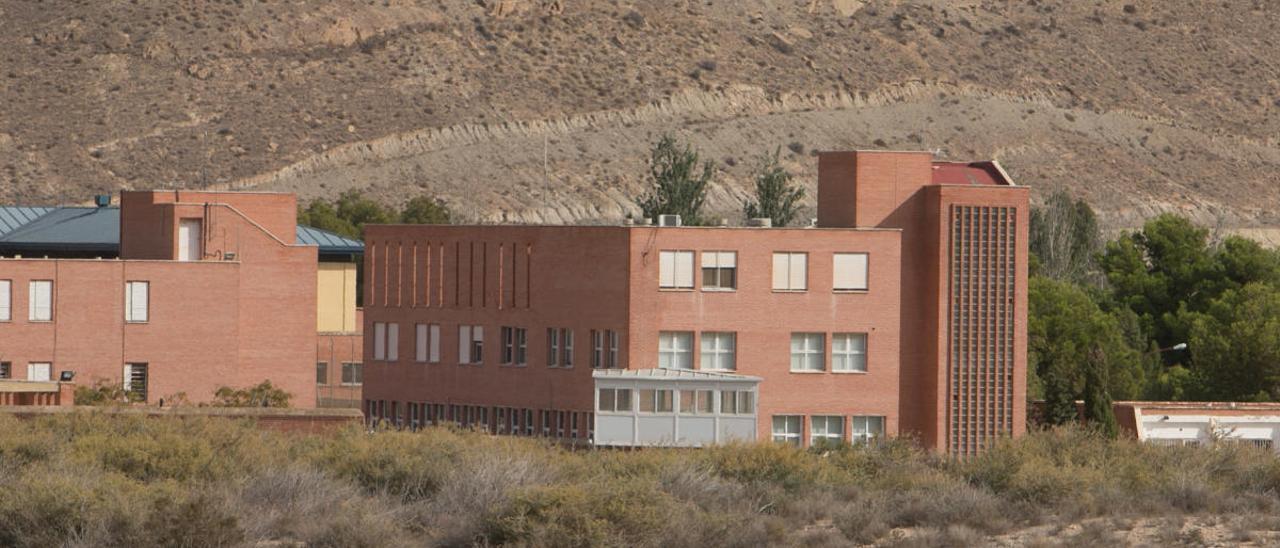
546, 423
826, 430
675, 270
433, 347
379, 341
6, 370
421, 342
807, 350
322, 372
866, 429
787, 429
40, 303
135, 381
573, 425
559, 424
790, 271
566, 356
615, 400
522, 346
470, 344
675, 349
393, 342
849, 352
553, 347
655, 401
719, 270
135, 301
190, 240
849, 272
39, 371
612, 361
352, 373
696, 402
737, 402
718, 350
597, 349
413, 416
528, 422
508, 344
6, 300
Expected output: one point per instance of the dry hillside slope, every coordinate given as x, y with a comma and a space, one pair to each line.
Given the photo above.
543, 110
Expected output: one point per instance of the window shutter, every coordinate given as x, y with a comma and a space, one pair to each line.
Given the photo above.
393, 341
464, 344
137, 305
128, 376
40, 302
684, 269
434, 343
666, 269
799, 271
728, 259
420, 342
6, 308
850, 271
780, 267
379, 341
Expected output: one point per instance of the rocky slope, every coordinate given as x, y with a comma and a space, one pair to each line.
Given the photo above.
543, 110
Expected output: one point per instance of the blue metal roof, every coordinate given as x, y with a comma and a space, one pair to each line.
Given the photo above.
98, 229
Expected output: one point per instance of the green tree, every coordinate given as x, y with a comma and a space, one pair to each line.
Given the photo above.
1236, 345
425, 211
1098, 412
1064, 323
360, 210
776, 198
264, 394
321, 214
1059, 396
1065, 239
678, 182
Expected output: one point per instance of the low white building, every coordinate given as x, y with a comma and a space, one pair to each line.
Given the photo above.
1199, 423
673, 407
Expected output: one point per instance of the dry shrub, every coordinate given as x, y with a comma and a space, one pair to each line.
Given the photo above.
304, 504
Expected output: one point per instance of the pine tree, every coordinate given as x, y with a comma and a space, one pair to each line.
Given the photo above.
776, 198
1098, 413
678, 182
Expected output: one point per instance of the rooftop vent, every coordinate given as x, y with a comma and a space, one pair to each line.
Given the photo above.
760, 222
102, 200
668, 220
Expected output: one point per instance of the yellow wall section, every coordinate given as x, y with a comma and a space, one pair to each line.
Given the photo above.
336, 299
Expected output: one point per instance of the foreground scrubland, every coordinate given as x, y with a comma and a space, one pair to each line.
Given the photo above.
92, 480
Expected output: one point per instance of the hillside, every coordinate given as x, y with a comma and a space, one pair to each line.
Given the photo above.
543, 110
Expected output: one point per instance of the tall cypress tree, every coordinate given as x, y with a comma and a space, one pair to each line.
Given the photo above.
1098, 413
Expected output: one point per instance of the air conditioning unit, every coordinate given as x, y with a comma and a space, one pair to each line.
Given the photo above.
668, 220
760, 222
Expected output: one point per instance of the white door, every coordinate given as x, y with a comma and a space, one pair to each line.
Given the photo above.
189, 248
39, 371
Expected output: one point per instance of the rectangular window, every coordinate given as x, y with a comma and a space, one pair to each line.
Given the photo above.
612, 362
40, 302
787, 429
6, 300
6, 370
790, 271
615, 400
135, 301
737, 402
573, 425
393, 342
433, 354
826, 430
866, 429
39, 371
508, 344
471, 344
352, 373
849, 352
675, 349
696, 402
559, 424
718, 351
420, 342
522, 346
379, 341
566, 358
807, 351
135, 381
546, 423
553, 347
850, 272
322, 372
528, 422
719, 270
597, 349
655, 401
190, 240
675, 270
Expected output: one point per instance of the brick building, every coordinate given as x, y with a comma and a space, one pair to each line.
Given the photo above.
903, 311
172, 293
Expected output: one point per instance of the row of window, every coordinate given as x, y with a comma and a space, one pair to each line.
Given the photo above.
790, 270
689, 402
352, 373
40, 301
134, 379
824, 429
512, 421
718, 349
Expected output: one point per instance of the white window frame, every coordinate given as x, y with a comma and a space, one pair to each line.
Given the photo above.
127, 385
656, 401
790, 271
40, 301
737, 402
566, 340
849, 271
866, 429
508, 336
597, 349
846, 356
357, 374
379, 341
675, 349
470, 344
829, 428
718, 262
805, 349
791, 429
611, 358
137, 301
718, 351
615, 404
34, 367
6, 300
696, 402
553, 347
522, 346
675, 270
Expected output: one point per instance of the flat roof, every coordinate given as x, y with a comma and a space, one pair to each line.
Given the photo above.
671, 374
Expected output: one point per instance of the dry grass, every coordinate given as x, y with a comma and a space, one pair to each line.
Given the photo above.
90, 480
